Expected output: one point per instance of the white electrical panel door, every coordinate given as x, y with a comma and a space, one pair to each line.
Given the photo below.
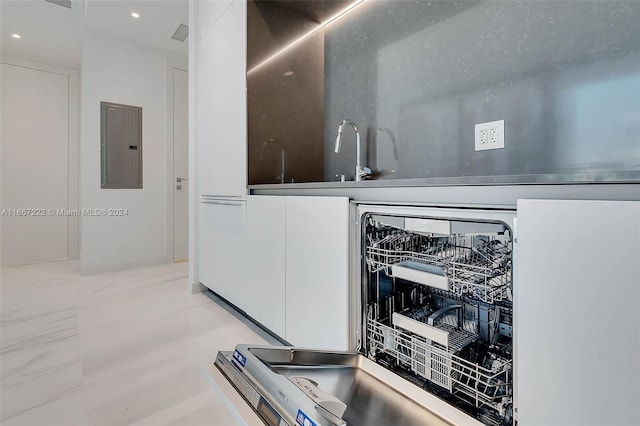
577, 312
222, 249
317, 271
266, 261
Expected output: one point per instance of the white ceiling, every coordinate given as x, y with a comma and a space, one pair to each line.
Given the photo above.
49, 32
158, 21
54, 33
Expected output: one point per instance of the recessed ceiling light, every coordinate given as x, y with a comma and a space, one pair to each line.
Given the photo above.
15, 35
135, 15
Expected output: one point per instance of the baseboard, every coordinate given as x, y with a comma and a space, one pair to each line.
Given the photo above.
98, 269
198, 288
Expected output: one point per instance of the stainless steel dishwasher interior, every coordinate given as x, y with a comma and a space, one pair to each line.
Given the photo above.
369, 401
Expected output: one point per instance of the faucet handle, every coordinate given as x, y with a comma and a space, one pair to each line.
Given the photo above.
342, 178
363, 172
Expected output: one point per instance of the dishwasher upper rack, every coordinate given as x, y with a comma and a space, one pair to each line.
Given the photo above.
479, 267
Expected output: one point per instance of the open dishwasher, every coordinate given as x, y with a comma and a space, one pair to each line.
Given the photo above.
432, 329
437, 302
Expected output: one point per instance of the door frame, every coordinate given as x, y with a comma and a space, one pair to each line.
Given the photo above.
171, 65
73, 197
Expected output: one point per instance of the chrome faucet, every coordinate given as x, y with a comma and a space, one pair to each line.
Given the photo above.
361, 171
272, 141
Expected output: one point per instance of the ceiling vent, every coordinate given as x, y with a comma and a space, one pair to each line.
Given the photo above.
181, 33
63, 3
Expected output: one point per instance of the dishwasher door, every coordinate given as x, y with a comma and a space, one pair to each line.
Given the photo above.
311, 387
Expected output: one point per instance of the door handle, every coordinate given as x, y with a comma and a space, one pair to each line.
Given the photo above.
179, 179
223, 203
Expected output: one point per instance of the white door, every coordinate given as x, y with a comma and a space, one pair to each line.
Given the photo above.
180, 165
577, 294
35, 165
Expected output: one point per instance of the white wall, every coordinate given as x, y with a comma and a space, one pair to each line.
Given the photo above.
120, 71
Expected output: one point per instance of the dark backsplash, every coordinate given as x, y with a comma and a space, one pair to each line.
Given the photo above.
285, 97
416, 76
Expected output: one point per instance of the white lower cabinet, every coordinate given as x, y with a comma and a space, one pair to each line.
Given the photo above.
266, 265
298, 278
576, 310
317, 272
222, 243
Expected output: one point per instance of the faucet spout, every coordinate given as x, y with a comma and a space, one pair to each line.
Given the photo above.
361, 172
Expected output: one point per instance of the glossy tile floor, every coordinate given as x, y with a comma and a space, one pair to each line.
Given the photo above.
121, 348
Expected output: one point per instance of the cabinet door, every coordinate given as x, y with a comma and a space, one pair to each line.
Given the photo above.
221, 254
222, 109
317, 241
577, 312
266, 260
208, 13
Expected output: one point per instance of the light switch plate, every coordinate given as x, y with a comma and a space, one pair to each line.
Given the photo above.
489, 135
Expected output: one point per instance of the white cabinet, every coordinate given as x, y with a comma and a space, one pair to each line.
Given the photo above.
208, 13
577, 298
317, 272
221, 256
222, 105
266, 261
298, 279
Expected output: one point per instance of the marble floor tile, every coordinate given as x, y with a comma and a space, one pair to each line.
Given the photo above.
66, 410
121, 348
197, 410
45, 390
128, 399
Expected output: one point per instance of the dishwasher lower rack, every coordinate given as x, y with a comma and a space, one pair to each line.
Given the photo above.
472, 383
